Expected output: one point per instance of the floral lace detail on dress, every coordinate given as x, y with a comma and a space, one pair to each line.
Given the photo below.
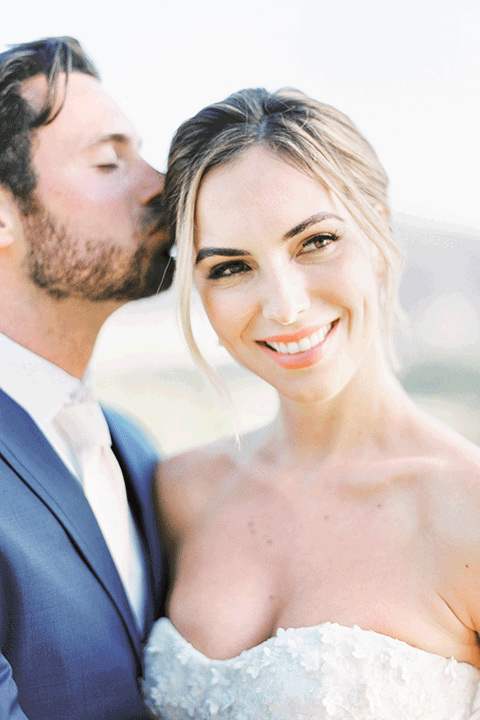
326, 672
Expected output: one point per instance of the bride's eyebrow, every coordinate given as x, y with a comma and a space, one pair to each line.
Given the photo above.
313, 220
223, 252
230, 252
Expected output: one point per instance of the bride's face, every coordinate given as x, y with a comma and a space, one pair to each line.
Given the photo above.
287, 278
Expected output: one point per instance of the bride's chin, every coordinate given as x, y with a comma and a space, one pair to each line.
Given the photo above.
310, 385
305, 391
308, 397
313, 390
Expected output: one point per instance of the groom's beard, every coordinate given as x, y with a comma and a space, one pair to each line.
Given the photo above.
97, 270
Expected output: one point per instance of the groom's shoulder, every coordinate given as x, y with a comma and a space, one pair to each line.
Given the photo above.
135, 449
128, 430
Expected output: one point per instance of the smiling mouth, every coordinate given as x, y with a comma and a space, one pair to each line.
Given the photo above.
306, 343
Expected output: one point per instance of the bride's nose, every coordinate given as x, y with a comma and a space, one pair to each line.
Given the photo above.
285, 294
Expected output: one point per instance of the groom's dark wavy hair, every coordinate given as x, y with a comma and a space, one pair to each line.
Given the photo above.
18, 118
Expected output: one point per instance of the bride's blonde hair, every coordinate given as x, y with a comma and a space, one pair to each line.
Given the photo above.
313, 137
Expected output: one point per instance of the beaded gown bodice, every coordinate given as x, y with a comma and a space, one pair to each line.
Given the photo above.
326, 672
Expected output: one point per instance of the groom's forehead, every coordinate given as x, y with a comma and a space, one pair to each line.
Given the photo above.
84, 114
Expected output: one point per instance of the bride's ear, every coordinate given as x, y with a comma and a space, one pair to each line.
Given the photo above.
380, 210
7, 219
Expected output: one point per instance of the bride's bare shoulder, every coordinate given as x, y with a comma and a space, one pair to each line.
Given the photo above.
454, 484
186, 483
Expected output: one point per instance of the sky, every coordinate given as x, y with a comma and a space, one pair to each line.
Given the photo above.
408, 74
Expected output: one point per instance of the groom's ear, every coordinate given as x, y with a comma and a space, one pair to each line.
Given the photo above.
8, 218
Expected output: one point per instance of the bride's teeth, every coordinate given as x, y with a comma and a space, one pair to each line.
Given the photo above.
304, 344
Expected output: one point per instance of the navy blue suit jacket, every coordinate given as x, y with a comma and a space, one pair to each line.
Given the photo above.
70, 649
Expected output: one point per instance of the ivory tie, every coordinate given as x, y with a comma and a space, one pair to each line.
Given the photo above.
85, 429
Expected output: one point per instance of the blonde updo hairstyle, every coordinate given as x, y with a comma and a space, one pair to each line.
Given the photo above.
313, 137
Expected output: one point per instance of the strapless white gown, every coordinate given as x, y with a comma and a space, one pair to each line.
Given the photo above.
326, 672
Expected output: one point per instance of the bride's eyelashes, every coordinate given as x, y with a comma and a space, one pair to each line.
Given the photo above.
227, 269
314, 243
318, 242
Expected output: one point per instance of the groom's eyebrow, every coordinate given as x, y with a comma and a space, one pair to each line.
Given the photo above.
119, 139
223, 252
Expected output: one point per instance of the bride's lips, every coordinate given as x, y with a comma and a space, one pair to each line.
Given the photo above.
306, 346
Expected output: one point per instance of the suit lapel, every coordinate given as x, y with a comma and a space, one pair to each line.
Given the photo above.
138, 469
25, 448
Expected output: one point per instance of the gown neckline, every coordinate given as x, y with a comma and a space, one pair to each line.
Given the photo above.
321, 627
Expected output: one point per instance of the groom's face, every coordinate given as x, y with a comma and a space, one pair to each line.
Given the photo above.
94, 227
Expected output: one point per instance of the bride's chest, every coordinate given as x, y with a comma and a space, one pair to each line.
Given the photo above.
344, 555
352, 560
364, 534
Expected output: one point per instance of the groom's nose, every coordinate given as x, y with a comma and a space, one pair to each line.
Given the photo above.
152, 184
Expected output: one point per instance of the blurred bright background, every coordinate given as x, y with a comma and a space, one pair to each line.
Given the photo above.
407, 73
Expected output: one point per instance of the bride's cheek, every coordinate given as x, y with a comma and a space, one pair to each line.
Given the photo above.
226, 309
212, 305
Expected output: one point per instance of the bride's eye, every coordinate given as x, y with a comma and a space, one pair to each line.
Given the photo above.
318, 242
227, 269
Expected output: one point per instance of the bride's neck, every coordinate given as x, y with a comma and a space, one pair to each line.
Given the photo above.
359, 420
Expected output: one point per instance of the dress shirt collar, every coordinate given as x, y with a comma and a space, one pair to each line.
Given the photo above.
39, 386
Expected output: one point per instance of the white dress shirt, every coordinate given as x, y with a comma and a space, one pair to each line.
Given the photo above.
42, 389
